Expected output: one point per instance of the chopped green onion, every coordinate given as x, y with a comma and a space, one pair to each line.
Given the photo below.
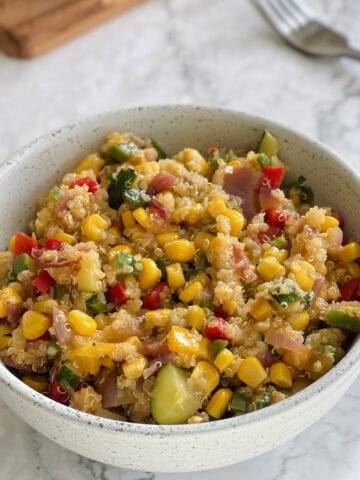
280, 242
121, 152
95, 304
306, 192
217, 158
161, 152
290, 297
60, 291
263, 160
67, 377
262, 399
134, 197
53, 349
217, 345
55, 193
20, 263
127, 263
200, 261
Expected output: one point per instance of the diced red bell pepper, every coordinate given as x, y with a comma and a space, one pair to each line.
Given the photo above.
273, 176
152, 300
58, 393
276, 218
269, 234
350, 290
24, 243
216, 330
43, 282
88, 181
117, 294
220, 312
53, 244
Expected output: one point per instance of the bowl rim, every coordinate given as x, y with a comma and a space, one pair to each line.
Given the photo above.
343, 368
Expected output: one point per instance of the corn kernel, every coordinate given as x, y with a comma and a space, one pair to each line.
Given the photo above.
280, 375
45, 306
191, 291
251, 372
195, 317
149, 275
11, 245
142, 217
203, 278
270, 268
217, 206
163, 238
37, 382
235, 163
329, 222
181, 340
93, 226
205, 377
34, 325
82, 323
65, 237
224, 359
204, 350
135, 368
237, 221
119, 248
148, 168
299, 359
354, 269
115, 232
157, 318
17, 287
8, 296
219, 402
299, 321
5, 335
229, 306
90, 357
349, 252
304, 273
90, 162
202, 240
89, 275
180, 250
280, 255
193, 161
175, 276
261, 309
194, 214
127, 219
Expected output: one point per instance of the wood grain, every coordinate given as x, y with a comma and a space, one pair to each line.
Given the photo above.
32, 27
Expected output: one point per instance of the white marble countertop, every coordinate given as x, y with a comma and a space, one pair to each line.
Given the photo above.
208, 52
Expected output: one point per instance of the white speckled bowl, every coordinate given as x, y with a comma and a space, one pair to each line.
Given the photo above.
183, 447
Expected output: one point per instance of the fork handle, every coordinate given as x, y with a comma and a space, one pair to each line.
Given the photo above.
352, 53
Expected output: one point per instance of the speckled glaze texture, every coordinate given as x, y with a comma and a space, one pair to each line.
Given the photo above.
182, 447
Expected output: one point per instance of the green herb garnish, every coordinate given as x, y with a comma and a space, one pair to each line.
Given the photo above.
124, 180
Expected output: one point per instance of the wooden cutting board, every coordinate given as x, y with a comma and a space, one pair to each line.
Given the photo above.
31, 27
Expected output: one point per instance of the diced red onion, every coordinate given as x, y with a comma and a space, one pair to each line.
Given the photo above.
13, 315
160, 208
243, 182
154, 348
278, 339
9, 362
265, 358
61, 326
316, 289
161, 182
243, 265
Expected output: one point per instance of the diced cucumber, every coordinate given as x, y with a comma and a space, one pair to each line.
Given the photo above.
120, 152
264, 160
68, 378
340, 319
173, 401
95, 304
268, 145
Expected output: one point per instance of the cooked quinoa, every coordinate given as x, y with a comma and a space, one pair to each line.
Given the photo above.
177, 289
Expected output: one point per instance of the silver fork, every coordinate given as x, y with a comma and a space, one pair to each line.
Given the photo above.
298, 27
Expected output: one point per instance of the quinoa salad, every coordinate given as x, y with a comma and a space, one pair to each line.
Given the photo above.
177, 289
